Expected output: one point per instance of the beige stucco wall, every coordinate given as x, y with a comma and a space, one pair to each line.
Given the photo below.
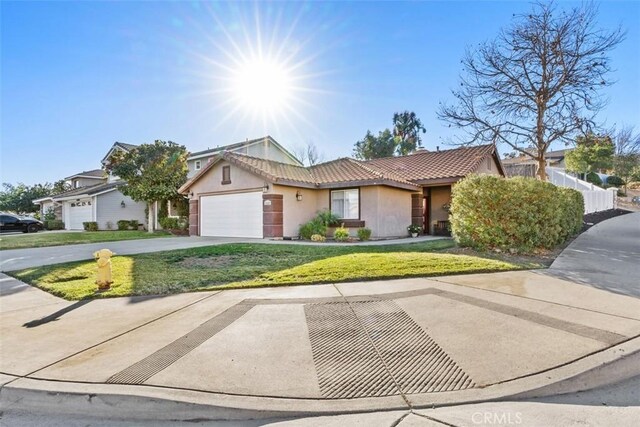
211, 182
484, 168
294, 212
439, 196
385, 210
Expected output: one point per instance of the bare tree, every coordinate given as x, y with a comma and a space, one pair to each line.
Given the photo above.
308, 154
537, 83
626, 141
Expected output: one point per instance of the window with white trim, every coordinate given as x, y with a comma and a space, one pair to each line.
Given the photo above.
197, 165
345, 204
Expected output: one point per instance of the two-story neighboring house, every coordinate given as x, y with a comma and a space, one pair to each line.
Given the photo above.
94, 197
263, 148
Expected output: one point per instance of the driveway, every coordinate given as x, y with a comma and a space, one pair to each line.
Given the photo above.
607, 256
17, 259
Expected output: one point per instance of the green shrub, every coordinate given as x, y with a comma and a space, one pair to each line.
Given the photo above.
616, 181
364, 234
54, 224
524, 214
328, 218
593, 178
169, 223
414, 228
318, 238
341, 234
90, 226
123, 224
49, 215
133, 224
315, 226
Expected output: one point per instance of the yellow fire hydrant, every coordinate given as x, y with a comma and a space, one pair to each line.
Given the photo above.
103, 257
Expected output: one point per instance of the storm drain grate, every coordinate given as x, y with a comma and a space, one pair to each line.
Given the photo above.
348, 364
141, 371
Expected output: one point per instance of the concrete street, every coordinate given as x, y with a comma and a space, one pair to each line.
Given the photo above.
606, 257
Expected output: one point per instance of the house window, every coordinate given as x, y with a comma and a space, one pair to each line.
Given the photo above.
226, 174
346, 203
76, 183
198, 165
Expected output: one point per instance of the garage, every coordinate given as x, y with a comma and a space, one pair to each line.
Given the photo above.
231, 215
77, 212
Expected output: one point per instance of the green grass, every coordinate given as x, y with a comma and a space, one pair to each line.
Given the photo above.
38, 240
257, 265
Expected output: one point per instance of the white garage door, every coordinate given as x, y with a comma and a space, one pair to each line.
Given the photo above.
77, 213
231, 215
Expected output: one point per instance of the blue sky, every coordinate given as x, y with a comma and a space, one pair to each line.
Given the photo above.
77, 76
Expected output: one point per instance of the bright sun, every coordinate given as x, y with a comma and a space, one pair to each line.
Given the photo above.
262, 86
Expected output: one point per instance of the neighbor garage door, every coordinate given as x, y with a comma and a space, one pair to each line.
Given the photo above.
231, 215
77, 213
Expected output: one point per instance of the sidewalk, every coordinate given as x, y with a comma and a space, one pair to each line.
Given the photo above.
311, 350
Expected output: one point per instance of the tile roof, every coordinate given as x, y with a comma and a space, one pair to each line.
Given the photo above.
403, 172
427, 165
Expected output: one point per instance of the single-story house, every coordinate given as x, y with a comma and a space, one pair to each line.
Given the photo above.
238, 195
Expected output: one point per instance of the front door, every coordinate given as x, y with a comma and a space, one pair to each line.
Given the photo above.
425, 211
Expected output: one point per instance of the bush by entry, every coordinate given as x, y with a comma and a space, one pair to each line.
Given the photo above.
524, 214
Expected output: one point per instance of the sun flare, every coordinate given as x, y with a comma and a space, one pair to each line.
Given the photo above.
262, 86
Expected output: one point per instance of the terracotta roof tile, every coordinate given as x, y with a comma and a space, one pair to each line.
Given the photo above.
426, 165
404, 172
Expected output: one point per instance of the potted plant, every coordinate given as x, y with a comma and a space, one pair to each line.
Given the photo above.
414, 229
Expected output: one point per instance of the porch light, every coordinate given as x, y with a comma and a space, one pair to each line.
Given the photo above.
265, 188
122, 205
299, 196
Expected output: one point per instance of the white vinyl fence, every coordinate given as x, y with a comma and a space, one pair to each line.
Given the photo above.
595, 198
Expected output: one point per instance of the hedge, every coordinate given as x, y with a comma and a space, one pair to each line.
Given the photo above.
54, 224
90, 226
523, 214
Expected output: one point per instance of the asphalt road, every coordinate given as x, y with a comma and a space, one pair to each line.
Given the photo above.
607, 256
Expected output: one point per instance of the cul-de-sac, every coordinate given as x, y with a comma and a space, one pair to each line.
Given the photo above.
314, 213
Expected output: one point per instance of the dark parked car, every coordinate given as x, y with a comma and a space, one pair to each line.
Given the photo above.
9, 222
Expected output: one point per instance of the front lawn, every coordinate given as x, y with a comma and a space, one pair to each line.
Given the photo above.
38, 240
256, 265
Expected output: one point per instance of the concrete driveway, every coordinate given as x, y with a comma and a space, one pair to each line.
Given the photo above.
16, 259
607, 256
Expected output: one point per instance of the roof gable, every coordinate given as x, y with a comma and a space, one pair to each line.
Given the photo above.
123, 146
239, 145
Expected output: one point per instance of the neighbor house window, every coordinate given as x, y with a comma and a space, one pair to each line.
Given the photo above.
226, 174
346, 203
198, 165
76, 184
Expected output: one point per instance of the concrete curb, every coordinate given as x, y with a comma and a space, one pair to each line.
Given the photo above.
146, 402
